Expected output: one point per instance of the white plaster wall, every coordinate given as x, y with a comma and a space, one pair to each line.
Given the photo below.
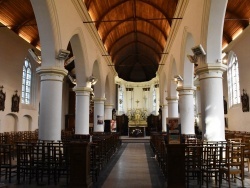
237, 119
13, 51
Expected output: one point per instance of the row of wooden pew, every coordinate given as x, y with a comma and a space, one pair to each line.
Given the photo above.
199, 160
45, 162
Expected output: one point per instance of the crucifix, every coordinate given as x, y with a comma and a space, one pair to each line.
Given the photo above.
137, 102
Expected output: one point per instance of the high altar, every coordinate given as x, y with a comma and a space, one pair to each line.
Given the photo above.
137, 122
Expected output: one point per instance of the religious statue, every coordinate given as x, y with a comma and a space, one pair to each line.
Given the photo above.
15, 103
245, 101
2, 99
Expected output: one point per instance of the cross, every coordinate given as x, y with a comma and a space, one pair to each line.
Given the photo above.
137, 102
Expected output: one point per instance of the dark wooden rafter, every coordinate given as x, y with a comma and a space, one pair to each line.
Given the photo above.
244, 22
25, 22
107, 11
165, 15
3, 1
139, 32
138, 54
88, 3
132, 42
35, 41
160, 9
227, 37
131, 19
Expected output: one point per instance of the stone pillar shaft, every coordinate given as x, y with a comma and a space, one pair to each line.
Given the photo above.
82, 110
164, 117
186, 105
172, 107
212, 107
99, 114
50, 117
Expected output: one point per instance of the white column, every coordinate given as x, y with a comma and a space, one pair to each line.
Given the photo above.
172, 107
82, 110
50, 118
198, 107
212, 107
99, 114
108, 111
164, 117
186, 105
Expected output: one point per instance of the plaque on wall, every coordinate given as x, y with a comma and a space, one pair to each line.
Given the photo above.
174, 131
15, 103
2, 99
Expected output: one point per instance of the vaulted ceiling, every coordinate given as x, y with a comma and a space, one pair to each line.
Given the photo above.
134, 32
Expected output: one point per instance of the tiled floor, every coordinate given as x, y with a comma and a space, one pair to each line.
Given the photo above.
133, 166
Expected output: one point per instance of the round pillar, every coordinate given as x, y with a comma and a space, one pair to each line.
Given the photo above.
108, 111
82, 110
172, 107
99, 114
186, 105
212, 107
50, 117
164, 117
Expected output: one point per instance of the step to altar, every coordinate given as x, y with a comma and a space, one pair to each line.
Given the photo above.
128, 139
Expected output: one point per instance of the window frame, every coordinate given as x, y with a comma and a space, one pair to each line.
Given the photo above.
26, 82
233, 82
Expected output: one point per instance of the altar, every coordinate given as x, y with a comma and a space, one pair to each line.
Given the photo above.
137, 123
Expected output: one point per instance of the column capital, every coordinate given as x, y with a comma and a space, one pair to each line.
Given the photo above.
51, 70
210, 70
99, 99
82, 89
108, 105
185, 90
171, 98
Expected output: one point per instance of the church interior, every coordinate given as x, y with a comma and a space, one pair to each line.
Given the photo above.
124, 93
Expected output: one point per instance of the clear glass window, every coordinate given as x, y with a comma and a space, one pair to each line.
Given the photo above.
233, 80
26, 82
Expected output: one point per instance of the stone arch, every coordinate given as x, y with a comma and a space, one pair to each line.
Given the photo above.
10, 123
172, 71
212, 31
186, 67
81, 57
163, 88
26, 123
100, 85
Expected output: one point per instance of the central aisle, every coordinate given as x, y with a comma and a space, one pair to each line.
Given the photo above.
133, 166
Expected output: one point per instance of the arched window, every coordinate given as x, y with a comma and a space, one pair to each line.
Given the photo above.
233, 80
120, 99
26, 82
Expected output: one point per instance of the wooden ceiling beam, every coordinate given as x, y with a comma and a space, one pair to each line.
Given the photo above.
132, 42
236, 17
109, 10
145, 34
18, 27
133, 55
227, 37
163, 12
131, 19
88, 3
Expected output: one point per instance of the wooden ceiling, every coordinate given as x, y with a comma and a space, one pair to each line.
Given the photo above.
134, 32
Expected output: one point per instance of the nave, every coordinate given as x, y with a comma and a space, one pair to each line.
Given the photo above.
133, 166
